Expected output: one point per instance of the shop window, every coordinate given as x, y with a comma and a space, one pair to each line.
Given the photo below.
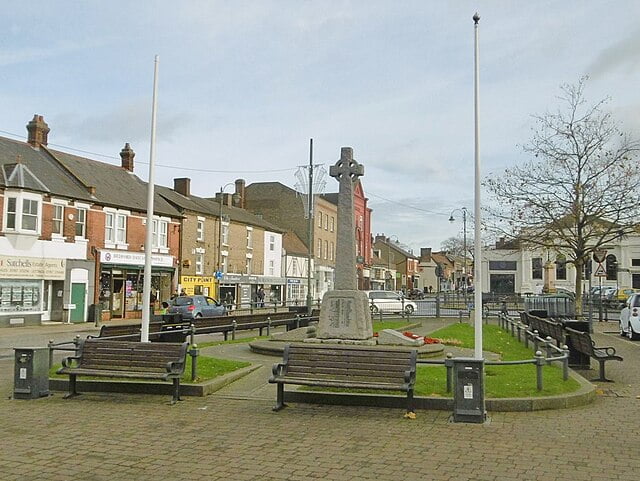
18, 295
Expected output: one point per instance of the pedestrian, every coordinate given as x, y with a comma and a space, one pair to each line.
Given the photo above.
183, 292
165, 307
260, 296
228, 300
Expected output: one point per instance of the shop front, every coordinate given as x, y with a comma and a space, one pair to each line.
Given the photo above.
121, 282
198, 285
28, 289
296, 294
244, 289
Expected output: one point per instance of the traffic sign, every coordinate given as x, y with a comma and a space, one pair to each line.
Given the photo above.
599, 255
600, 272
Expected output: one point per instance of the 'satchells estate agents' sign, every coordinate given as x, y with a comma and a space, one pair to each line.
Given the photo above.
12, 267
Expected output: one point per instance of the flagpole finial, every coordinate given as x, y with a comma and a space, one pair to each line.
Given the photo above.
476, 18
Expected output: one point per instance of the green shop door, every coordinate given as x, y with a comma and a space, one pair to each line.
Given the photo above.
78, 292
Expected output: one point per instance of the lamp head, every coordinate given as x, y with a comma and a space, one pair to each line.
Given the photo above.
451, 219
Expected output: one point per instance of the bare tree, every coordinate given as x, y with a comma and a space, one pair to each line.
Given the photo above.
454, 246
579, 191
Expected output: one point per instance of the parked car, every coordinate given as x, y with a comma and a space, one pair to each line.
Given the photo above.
190, 307
415, 294
390, 301
563, 292
630, 317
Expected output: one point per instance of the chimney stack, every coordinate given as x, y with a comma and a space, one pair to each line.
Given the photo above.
127, 154
425, 254
182, 186
240, 191
38, 131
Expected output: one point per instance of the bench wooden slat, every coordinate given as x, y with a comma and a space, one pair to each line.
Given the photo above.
582, 342
110, 358
346, 367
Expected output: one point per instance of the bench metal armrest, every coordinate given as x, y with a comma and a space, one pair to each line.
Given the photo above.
69, 360
610, 350
174, 366
410, 377
278, 368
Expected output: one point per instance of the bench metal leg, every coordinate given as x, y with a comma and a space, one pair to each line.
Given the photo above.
410, 407
72, 387
176, 390
279, 397
602, 377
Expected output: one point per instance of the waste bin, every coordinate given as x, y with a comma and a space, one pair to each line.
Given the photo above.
577, 359
31, 373
174, 332
468, 398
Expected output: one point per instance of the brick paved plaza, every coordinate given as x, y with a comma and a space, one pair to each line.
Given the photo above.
234, 435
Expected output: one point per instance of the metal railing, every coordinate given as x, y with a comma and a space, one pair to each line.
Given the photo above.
546, 352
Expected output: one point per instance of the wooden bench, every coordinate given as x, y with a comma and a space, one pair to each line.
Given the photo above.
343, 366
224, 325
128, 332
113, 358
582, 342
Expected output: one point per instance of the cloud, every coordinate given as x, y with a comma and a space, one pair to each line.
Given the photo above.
623, 54
129, 123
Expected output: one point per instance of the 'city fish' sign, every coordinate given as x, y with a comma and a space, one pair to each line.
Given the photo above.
31, 268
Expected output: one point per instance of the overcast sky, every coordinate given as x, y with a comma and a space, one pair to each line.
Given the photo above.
244, 85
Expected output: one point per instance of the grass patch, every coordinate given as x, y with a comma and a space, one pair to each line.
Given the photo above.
500, 381
208, 368
240, 340
380, 325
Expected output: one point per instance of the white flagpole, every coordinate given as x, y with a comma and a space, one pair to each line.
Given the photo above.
148, 243
477, 275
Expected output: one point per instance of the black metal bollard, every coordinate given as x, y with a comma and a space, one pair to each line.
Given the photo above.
50, 346
565, 362
448, 364
234, 325
268, 326
297, 321
539, 363
192, 334
193, 352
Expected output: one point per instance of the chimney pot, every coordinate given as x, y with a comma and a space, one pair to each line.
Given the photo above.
38, 131
127, 154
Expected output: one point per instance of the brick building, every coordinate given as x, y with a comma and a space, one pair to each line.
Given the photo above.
72, 234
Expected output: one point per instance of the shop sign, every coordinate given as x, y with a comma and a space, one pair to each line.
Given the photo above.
134, 258
32, 268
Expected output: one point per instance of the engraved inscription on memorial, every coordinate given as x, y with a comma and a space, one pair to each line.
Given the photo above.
340, 312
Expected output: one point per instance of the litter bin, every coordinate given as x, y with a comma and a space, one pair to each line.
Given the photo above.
31, 373
468, 398
577, 359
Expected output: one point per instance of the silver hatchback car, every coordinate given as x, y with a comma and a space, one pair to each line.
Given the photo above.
190, 307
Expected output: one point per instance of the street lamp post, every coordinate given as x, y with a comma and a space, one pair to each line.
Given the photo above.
219, 272
394, 283
464, 243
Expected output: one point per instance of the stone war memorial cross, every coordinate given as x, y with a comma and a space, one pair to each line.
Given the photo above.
345, 316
